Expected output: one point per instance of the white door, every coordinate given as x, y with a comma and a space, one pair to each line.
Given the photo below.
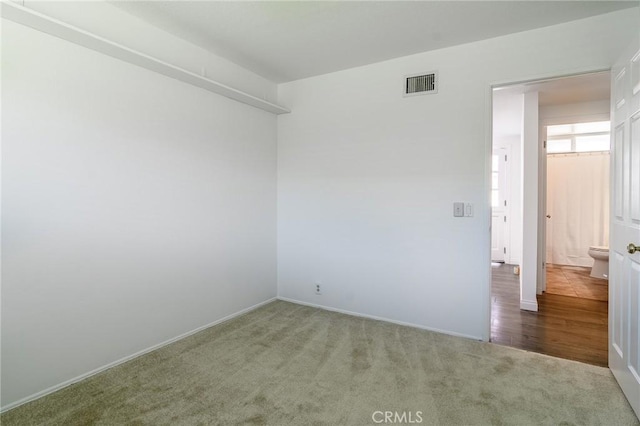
498, 205
624, 262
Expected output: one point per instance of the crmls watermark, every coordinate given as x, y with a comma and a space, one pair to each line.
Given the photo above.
391, 417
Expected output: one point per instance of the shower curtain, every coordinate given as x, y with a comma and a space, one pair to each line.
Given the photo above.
578, 203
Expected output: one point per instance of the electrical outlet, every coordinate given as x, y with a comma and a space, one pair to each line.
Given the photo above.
318, 288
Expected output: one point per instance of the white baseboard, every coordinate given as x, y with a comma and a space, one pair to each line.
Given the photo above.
81, 377
529, 305
373, 317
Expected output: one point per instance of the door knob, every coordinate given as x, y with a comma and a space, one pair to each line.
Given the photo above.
632, 248
548, 216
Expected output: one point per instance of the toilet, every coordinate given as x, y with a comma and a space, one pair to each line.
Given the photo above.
600, 267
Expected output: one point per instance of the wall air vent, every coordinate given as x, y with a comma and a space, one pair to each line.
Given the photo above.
421, 84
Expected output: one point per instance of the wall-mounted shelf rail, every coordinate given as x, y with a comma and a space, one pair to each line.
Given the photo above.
54, 27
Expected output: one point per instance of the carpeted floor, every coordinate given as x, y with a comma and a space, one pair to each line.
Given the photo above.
286, 364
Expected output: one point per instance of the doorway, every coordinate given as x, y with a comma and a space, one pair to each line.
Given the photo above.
524, 314
577, 207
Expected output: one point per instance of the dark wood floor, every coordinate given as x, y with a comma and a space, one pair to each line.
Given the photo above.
564, 326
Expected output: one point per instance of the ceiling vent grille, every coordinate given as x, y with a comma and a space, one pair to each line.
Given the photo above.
421, 84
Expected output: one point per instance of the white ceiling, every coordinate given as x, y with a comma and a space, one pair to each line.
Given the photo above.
566, 90
573, 90
290, 40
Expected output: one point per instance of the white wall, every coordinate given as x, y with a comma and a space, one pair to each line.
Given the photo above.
135, 208
367, 178
575, 113
514, 250
530, 149
507, 133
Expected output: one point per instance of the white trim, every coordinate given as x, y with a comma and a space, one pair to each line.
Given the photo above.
54, 27
541, 264
504, 186
84, 376
540, 78
488, 149
529, 305
510, 204
373, 317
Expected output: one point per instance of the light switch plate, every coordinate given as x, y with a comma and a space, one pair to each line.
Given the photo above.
468, 210
458, 209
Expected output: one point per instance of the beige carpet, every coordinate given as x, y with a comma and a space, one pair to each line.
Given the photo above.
286, 364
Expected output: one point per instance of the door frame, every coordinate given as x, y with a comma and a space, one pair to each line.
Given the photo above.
504, 191
542, 189
541, 276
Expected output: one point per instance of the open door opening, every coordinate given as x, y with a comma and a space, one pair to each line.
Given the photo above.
523, 315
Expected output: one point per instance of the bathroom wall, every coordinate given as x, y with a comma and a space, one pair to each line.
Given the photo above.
507, 133
596, 110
